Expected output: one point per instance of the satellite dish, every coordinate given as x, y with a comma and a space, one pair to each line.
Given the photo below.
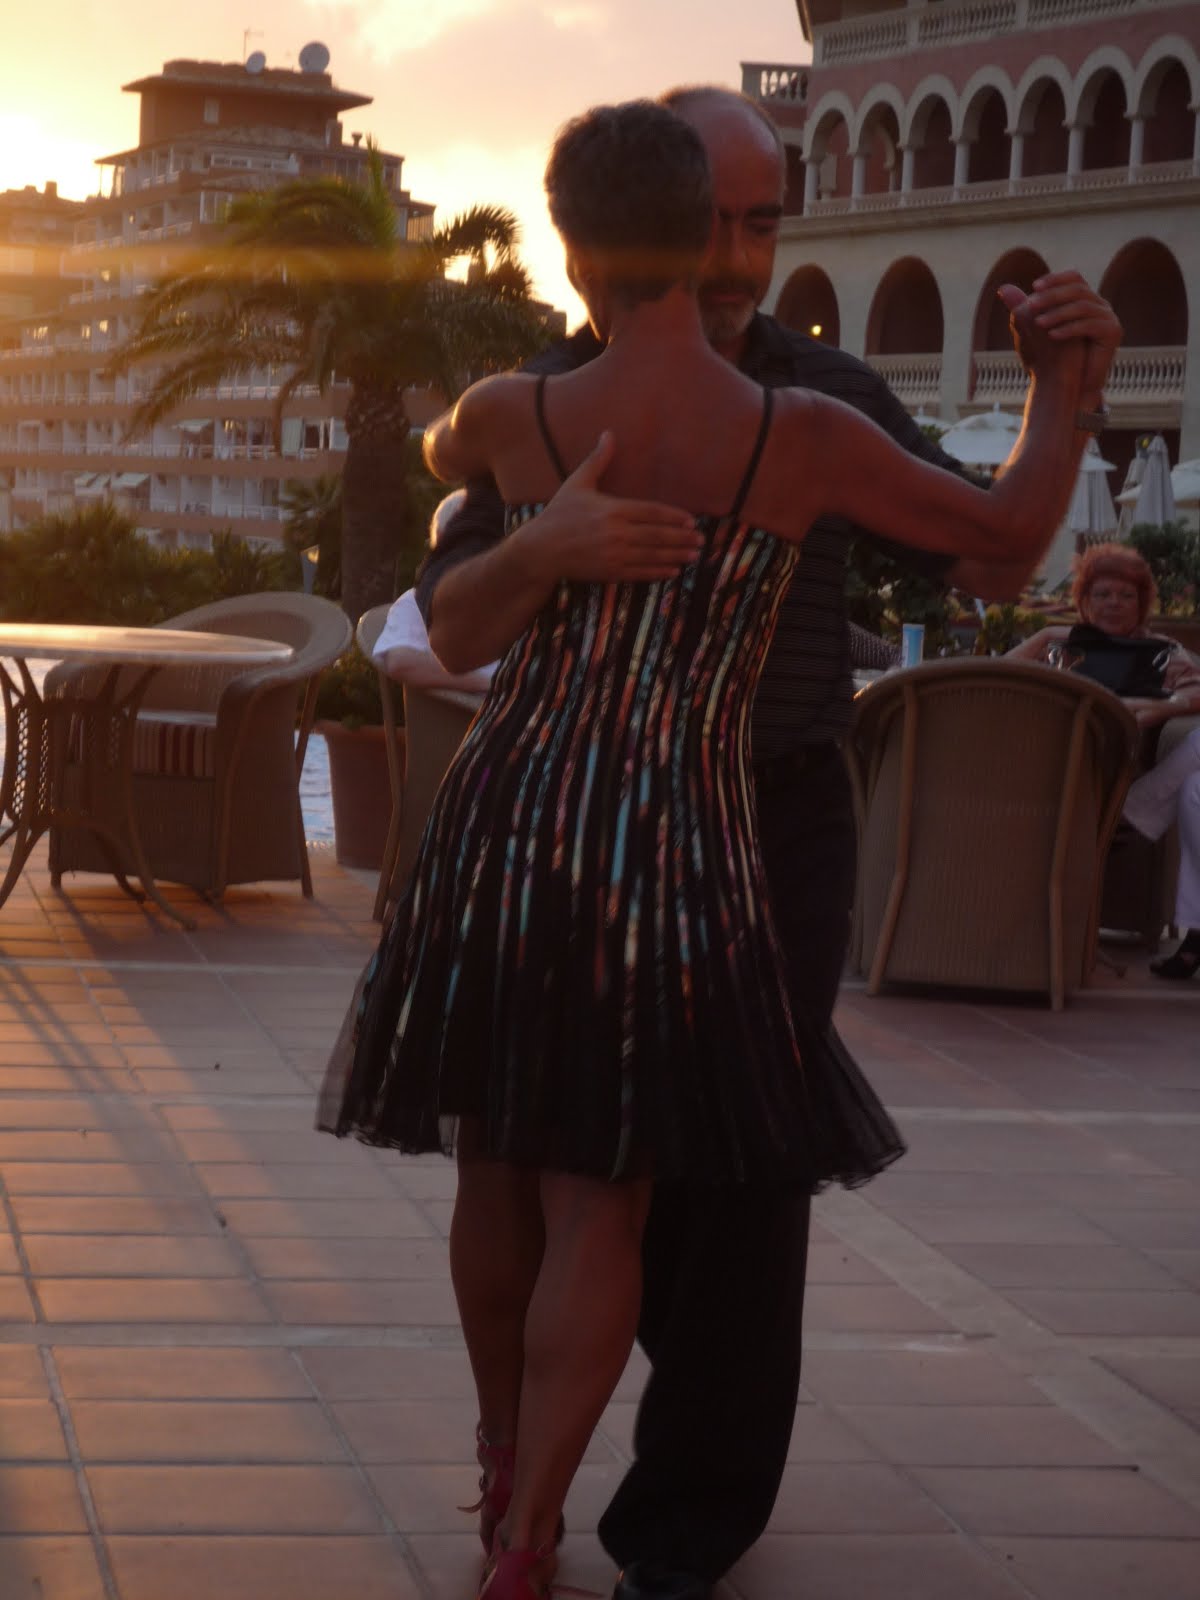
256, 62
314, 57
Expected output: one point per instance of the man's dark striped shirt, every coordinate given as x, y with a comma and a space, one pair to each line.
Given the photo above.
806, 686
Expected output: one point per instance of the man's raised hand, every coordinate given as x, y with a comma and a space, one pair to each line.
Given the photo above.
1064, 306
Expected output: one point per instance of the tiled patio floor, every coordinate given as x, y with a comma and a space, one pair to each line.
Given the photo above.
229, 1362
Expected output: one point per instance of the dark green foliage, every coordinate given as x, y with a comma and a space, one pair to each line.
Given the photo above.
95, 567
349, 691
882, 593
1172, 552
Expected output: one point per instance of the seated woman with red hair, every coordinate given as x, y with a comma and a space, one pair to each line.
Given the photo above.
1114, 594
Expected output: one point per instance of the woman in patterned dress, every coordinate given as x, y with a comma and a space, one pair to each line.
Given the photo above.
580, 992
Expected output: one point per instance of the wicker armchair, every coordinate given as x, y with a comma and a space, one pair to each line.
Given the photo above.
217, 759
987, 793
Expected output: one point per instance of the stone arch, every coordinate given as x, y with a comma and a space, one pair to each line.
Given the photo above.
932, 88
1170, 121
990, 330
930, 137
1042, 120
828, 111
879, 96
808, 303
1102, 113
879, 143
1146, 289
906, 316
827, 144
975, 92
1034, 77
985, 129
1108, 58
1171, 49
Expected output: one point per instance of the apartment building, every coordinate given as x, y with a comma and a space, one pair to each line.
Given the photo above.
207, 131
938, 148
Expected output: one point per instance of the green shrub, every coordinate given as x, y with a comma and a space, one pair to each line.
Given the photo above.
349, 691
1172, 552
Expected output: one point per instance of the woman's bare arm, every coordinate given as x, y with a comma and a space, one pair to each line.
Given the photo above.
1035, 648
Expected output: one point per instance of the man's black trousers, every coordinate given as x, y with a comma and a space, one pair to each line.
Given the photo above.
724, 1266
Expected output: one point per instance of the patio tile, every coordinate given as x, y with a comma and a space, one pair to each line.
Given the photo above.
9, 1260
956, 1375
1115, 1312
179, 1373
233, 1499
22, 1376
62, 1178
1059, 1266
377, 1259
836, 1263
261, 1568
326, 1219
120, 1214
425, 1499
1174, 1381
852, 1497
131, 1255
1067, 1502
193, 1432
418, 1373
1177, 1229
49, 1569
980, 1436
1002, 1225
450, 1564
857, 1307
30, 1430
295, 1181
909, 1567
405, 1303
130, 1300
39, 1499
15, 1304
1102, 1569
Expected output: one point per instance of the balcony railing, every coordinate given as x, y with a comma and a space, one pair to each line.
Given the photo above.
1045, 184
775, 82
956, 22
915, 379
1145, 375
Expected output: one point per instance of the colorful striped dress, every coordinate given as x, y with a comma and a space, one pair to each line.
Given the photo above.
584, 960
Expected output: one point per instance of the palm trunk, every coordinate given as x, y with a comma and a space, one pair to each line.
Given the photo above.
373, 496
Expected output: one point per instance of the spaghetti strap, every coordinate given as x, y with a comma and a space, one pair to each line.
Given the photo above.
739, 499
539, 402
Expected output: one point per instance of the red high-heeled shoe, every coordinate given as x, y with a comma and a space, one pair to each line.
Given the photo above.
495, 1486
495, 1489
514, 1574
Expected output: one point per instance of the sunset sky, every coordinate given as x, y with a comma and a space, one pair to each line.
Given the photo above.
468, 91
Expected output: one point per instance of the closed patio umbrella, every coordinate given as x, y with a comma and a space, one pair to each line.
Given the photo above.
1091, 516
984, 440
1155, 499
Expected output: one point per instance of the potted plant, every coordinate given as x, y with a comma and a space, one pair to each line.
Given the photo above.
349, 716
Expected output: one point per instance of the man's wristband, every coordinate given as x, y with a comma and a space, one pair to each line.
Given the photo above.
1092, 421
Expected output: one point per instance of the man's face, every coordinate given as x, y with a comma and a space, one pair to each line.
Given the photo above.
748, 191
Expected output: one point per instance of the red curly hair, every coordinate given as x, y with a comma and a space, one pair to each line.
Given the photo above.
1115, 561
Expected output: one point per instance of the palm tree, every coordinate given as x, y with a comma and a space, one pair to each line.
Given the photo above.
314, 279
314, 517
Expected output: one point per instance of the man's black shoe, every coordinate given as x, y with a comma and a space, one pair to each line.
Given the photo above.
649, 1580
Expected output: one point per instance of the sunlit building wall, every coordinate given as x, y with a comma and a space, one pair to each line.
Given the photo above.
208, 131
936, 150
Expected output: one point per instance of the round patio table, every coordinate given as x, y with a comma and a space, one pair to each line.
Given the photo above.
93, 714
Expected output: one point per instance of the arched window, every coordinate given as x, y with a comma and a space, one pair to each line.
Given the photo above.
1170, 122
991, 330
1046, 136
1106, 127
808, 303
933, 150
906, 313
881, 145
831, 151
1145, 288
988, 150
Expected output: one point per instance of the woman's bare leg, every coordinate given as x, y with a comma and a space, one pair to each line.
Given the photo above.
578, 1334
496, 1243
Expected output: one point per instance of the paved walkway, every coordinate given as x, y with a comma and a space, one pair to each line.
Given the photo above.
229, 1362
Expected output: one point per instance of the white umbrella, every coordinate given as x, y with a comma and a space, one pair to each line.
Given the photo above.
923, 420
1155, 500
1185, 482
984, 440
1091, 516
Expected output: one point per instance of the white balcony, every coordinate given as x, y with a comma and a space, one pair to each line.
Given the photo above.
1142, 377
775, 83
914, 379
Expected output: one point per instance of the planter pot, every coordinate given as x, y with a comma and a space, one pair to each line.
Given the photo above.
361, 793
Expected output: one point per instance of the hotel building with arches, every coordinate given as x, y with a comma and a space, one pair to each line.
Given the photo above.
938, 148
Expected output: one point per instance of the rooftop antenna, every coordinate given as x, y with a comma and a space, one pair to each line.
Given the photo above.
314, 57
247, 35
